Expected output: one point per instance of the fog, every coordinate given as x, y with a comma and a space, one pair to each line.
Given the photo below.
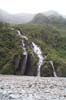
33, 6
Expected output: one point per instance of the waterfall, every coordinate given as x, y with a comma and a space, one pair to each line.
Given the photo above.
22, 36
54, 72
23, 40
38, 51
24, 48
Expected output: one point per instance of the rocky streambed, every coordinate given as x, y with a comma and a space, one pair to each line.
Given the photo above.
32, 88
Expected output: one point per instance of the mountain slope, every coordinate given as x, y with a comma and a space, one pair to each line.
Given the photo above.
49, 18
51, 13
40, 19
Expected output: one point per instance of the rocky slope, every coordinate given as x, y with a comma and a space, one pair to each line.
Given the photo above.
32, 88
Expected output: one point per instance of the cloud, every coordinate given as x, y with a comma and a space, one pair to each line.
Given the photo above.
33, 6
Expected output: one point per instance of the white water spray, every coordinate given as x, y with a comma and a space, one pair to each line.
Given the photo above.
38, 51
54, 72
23, 44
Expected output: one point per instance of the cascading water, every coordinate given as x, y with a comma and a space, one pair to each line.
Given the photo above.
38, 51
23, 44
24, 49
22, 36
23, 39
54, 72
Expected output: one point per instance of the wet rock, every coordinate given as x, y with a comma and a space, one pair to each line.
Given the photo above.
31, 66
47, 70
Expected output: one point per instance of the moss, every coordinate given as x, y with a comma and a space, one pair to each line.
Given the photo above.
7, 69
46, 70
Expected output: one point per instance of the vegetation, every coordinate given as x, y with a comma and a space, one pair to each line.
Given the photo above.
52, 40
9, 47
50, 37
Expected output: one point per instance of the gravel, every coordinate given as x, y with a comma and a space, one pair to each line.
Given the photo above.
32, 88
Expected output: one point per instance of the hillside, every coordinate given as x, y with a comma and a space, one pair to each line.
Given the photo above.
17, 52
50, 17
40, 19
9, 47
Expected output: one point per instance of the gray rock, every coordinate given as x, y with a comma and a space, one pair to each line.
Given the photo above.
32, 88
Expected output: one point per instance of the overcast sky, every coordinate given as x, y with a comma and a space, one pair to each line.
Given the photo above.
33, 6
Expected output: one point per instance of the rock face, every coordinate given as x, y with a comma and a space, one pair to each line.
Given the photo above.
46, 70
32, 88
23, 67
